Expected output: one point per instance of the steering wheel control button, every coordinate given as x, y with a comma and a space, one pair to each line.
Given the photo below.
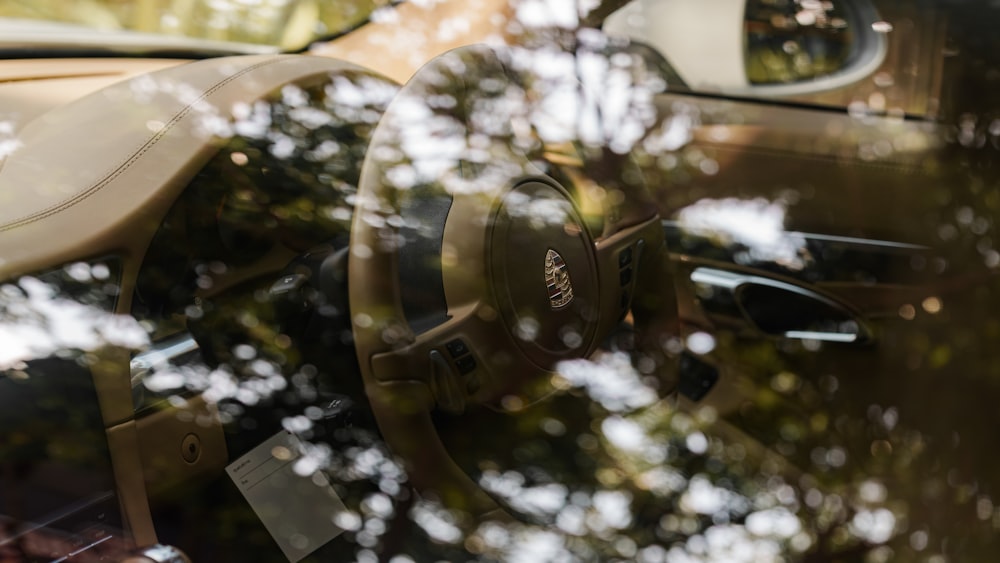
445, 385
625, 276
625, 257
457, 348
191, 448
466, 365
544, 273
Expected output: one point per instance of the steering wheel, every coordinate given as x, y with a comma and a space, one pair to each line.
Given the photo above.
473, 273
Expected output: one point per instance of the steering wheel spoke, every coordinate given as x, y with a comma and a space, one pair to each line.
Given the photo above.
621, 259
444, 363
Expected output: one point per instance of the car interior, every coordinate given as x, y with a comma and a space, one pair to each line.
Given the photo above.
572, 295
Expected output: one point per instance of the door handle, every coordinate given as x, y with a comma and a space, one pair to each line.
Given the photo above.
783, 309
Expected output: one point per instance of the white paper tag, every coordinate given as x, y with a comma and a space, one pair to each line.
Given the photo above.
297, 510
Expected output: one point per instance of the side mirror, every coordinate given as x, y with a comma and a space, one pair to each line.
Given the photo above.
755, 48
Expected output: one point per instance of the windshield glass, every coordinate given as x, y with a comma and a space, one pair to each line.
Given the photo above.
287, 24
512, 284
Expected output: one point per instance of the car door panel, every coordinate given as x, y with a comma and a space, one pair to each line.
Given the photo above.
800, 237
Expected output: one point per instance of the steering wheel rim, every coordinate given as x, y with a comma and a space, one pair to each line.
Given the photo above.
530, 274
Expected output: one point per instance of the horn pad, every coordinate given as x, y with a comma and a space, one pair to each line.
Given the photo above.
544, 273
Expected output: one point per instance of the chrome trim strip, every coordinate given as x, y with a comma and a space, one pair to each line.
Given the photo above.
160, 354
823, 336
818, 237
163, 352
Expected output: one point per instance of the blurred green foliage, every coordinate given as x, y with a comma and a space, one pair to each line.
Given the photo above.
288, 24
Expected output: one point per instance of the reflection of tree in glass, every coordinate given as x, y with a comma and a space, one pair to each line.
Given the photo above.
795, 40
289, 24
886, 457
58, 340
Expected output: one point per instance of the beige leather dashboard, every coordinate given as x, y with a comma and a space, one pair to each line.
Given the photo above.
105, 166
29, 88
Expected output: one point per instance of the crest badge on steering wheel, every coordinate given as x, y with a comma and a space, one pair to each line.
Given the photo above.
557, 280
